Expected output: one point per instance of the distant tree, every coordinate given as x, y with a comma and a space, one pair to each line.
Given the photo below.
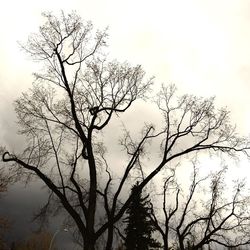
191, 224
120, 246
4, 226
5, 181
67, 113
37, 241
139, 227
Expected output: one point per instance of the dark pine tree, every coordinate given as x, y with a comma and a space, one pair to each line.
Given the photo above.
138, 233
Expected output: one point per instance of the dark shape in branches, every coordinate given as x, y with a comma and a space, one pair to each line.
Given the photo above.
139, 228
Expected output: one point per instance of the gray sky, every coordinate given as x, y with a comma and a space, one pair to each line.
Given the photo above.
201, 46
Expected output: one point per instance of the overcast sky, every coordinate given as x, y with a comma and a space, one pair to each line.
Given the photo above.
202, 46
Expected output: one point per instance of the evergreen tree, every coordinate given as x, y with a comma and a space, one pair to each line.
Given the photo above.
139, 227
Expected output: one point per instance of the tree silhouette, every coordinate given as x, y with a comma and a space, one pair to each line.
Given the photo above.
66, 114
139, 227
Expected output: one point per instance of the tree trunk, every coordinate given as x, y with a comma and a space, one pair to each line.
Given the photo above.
181, 244
89, 244
110, 238
165, 243
165, 237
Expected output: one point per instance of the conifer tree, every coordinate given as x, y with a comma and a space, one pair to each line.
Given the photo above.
139, 227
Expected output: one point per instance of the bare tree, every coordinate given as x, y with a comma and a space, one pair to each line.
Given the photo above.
193, 223
74, 100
